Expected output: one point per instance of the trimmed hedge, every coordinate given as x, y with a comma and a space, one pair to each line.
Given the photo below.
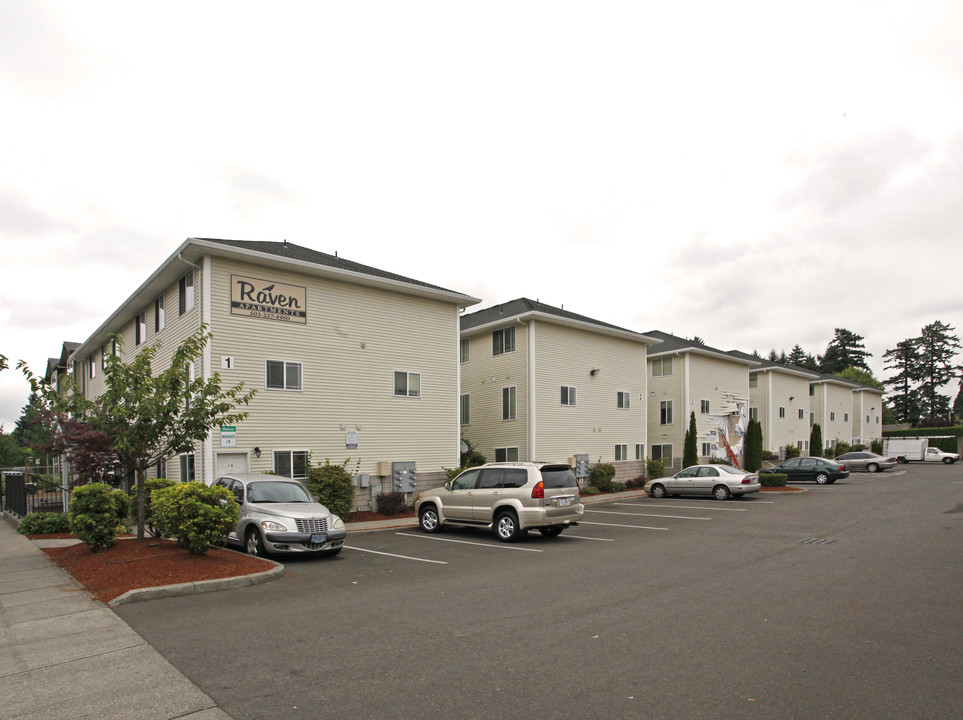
44, 523
773, 479
95, 512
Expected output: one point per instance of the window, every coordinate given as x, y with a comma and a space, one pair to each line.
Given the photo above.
812, 419
503, 341
662, 367
189, 371
568, 395
187, 467
465, 348
662, 453
867, 418
877, 419
103, 362
291, 463
185, 292
832, 416
508, 403
754, 380
812, 391
466, 409
623, 401
802, 414
665, 412
799, 444
92, 367
621, 452
782, 412
845, 417
407, 384
640, 451
160, 469
706, 449
753, 413
704, 407
281, 375
506, 454
140, 328
159, 319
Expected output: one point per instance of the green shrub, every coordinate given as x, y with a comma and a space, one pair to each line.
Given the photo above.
150, 485
194, 514
618, 487
589, 490
876, 446
792, 451
95, 512
635, 483
44, 523
333, 486
773, 479
601, 476
655, 469
841, 448
391, 503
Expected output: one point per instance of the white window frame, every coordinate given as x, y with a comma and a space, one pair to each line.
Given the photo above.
465, 409
640, 451
286, 365
92, 366
160, 314
290, 455
704, 406
802, 414
510, 402
506, 338
754, 413
782, 411
665, 412
140, 328
412, 384
188, 467
464, 352
662, 448
623, 400
506, 454
567, 395
706, 449
660, 363
185, 292
754, 380
621, 452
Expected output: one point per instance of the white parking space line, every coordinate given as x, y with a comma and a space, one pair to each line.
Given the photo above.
403, 557
469, 542
582, 537
671, 517
688, 507
635, 527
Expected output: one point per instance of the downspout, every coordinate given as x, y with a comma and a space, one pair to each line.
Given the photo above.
203, 314
530, 390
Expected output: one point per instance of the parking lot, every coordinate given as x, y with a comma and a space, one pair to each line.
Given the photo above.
775, 605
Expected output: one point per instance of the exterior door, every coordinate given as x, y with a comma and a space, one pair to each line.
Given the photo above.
230, 463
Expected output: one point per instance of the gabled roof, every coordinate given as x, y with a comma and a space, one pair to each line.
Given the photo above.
766, 365
674, 345
525, 309
278, 255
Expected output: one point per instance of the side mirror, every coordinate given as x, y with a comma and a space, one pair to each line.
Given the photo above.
448, 485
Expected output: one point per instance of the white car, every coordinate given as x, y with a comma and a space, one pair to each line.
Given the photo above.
719, 481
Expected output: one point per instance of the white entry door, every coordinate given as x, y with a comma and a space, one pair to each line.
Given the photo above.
231, 462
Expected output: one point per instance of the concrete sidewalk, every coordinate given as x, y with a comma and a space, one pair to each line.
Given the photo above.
64, 655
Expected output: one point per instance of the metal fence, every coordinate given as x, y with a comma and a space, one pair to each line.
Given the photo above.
23, 492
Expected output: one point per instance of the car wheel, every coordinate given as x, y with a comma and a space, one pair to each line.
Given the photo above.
551, 532
901, 460
822, 478
428, 519
506, 526
872, 467
948, 461
721, 492
254, 543
658, 491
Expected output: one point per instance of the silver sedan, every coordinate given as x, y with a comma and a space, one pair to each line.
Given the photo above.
719, 481
865, 460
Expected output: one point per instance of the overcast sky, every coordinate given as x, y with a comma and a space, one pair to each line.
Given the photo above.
754, 173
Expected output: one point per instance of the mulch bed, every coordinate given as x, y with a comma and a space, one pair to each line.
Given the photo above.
130, 564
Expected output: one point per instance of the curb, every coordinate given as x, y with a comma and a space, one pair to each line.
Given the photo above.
198, 586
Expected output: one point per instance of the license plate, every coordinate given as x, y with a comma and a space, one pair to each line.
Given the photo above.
319, 537
562, 502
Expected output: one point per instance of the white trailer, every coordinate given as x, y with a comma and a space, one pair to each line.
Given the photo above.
907, 449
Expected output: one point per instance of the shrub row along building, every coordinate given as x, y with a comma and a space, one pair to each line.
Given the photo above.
354, 362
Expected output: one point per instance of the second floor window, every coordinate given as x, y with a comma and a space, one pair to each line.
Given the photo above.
140, 328
568, 395
622, 402
185, 292
503, 341
662, 367
508, 403
281, 375
407, 384
159, 318
665, 412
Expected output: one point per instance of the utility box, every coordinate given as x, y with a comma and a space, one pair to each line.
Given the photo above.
384, 468
362, 480
581, 466
403, 477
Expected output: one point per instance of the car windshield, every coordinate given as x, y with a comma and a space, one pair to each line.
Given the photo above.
277, 492
559, 478
731, 470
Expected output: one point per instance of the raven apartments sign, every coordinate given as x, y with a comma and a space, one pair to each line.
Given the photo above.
252, 297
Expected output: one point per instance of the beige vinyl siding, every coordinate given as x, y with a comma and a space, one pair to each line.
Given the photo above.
718, 381
661, 389
594, 425
354, 339
483, 377
867, 402
832, 398
790, 430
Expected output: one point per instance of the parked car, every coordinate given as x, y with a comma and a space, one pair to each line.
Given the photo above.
719, 481
510, 498
819, 469
865, 460
279, 515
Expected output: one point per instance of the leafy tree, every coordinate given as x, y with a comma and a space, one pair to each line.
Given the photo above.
904, 359
690, 448
816, 441
32, 429
753, 446
149, 417
937, 350
11, 454
845, 349
861, 376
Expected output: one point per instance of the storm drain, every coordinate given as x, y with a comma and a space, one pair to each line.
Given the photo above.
817, 541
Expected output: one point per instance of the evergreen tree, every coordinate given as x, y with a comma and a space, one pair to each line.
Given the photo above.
797, 356
816, 441
937, 350
753, 446
904, 360
690, 452
845, 349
